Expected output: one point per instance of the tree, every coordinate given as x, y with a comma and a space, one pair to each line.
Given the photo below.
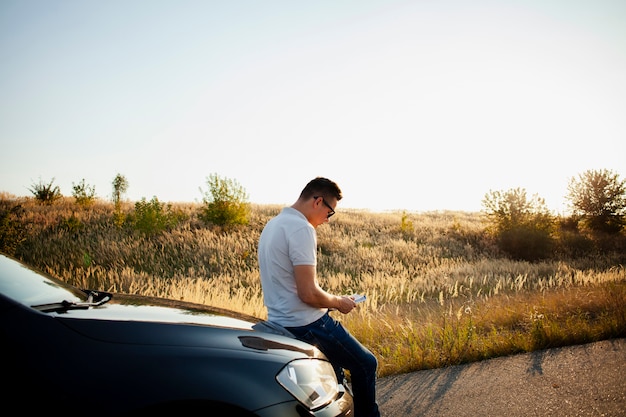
225, 202
599, 197
522, 226
120, 186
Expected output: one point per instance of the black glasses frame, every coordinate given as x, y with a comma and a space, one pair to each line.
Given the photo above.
332, 211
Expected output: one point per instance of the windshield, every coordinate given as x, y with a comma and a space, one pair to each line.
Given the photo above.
30, 288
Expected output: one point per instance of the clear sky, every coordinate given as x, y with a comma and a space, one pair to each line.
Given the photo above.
409, 105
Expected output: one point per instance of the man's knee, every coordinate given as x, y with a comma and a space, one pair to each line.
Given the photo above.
372, 362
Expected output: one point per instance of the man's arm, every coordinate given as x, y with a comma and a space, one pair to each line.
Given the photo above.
312, 294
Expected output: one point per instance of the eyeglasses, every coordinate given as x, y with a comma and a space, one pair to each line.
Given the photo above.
332, 211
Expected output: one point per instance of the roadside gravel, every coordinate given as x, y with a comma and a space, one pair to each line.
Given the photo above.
574, 381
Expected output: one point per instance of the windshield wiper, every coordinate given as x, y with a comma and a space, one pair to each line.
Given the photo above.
94, 299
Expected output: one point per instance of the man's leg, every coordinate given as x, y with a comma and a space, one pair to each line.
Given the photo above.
343, 350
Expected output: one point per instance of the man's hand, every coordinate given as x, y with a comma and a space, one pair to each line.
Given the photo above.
345, 304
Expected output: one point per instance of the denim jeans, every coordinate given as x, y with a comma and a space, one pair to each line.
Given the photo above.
344, 351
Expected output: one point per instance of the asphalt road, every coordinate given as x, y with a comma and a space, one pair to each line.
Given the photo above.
584, 380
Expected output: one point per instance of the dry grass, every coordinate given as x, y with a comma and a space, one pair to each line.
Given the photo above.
439, 292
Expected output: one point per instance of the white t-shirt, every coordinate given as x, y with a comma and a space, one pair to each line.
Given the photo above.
287, 240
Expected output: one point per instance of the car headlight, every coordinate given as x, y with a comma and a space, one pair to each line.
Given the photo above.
312, 381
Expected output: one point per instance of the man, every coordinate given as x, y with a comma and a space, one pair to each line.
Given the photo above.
287, 261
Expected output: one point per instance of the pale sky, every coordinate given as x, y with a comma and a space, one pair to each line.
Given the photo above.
409, 105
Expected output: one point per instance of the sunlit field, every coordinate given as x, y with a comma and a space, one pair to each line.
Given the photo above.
438, 290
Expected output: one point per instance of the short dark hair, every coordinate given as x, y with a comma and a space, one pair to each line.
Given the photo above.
323, 187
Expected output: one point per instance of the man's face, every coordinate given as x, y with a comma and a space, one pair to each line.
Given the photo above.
325, 208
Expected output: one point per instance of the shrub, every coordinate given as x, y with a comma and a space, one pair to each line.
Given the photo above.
521, 226
71, 224
152, 216
46, 193
12, 229
225, 202
524, 242
574, 244
84, 194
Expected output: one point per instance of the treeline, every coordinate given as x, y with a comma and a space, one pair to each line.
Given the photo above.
521, 226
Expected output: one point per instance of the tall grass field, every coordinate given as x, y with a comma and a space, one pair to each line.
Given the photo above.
439, 292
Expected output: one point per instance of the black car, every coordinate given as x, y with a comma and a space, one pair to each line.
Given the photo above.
93, 353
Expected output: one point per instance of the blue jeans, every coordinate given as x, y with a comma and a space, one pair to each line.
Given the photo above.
345, 352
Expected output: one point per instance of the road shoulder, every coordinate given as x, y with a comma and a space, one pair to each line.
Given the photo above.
583, 380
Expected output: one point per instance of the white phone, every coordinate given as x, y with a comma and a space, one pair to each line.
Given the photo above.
359, 298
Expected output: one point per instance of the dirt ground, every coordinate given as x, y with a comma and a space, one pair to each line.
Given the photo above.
584, 380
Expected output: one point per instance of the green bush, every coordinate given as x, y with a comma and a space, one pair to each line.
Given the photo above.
84, 194
46, 193
225, 203
151, 217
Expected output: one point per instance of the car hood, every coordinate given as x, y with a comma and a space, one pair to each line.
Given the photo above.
142, 308
146, 320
